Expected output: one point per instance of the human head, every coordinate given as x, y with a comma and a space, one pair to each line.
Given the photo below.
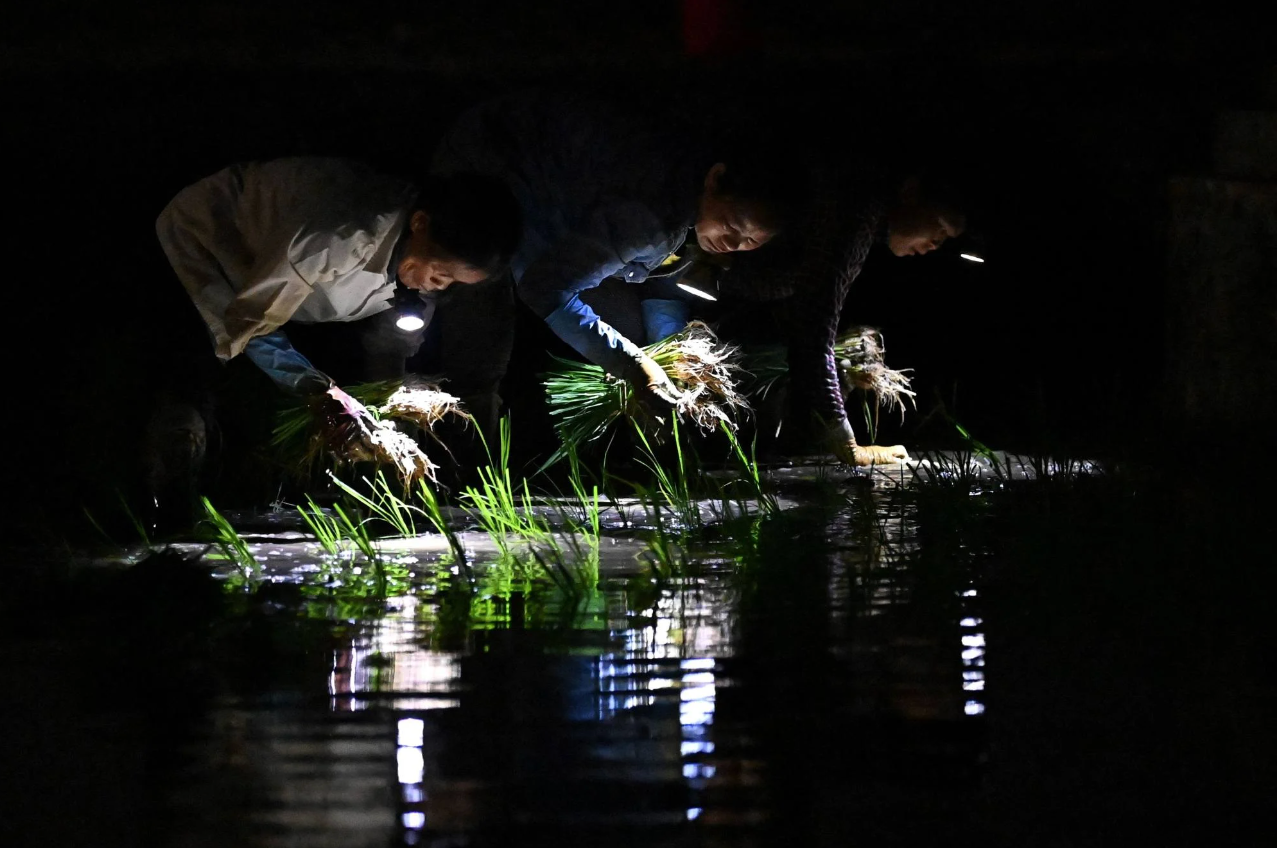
923, 216
743, 205
464, 229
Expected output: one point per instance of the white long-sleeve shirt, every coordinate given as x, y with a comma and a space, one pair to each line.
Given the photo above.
303, 239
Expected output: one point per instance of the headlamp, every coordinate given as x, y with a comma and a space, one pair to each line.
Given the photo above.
698, 291
408, 308
971, 246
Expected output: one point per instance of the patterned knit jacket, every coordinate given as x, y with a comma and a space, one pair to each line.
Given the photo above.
836, 233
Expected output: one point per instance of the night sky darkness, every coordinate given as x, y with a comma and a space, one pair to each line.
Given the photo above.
1074, 116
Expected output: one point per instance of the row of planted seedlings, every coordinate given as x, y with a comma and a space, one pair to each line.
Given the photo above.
542, 533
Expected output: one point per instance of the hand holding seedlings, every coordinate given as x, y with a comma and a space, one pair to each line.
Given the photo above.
346, 415
653, 387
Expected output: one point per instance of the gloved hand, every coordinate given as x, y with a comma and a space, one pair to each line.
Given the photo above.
653, 389
346, 415
844, 445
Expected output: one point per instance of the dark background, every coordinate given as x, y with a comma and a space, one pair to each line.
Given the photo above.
1074, 117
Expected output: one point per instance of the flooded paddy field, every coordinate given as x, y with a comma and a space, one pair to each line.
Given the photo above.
1057, 656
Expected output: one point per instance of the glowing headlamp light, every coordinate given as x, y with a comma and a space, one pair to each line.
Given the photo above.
407, 307
696, 292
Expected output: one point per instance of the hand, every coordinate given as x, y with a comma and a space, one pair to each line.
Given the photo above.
346, 413
653, 389
844, 446
865, 455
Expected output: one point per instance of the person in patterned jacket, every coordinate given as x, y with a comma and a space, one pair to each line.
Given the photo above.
845, 219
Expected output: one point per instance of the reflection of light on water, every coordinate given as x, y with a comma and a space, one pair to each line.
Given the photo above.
697, 706
692, 620
696, 714
389, 658
409, 765
690, 665
409, 731
974, 659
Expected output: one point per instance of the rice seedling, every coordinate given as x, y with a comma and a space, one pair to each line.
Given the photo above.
750, 473
577, 578
580, 513
325, 528
674, 489
585, 402
98, 527
383, 503
435, 514
300, 436
495, 503
138, 526
938, 470
354, 529
667, 558
230, 543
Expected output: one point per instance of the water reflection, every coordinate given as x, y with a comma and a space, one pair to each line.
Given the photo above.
494, 711
387, 657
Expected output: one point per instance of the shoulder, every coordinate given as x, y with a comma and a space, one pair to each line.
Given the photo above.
318, 175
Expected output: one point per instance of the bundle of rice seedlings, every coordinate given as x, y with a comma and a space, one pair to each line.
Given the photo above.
859, 354
306, 432
422, 404
398, 450
585, 401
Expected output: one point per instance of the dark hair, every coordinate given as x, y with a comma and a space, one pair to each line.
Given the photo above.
474, 218
945, 188
764, 174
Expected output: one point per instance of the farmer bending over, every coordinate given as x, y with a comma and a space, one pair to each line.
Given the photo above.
603, 196
845, 220
308, 240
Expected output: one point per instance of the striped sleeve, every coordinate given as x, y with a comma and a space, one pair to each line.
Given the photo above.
838, 238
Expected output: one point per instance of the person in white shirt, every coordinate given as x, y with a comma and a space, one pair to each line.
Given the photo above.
310, 240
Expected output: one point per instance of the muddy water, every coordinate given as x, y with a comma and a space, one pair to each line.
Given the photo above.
818, 678
815, 678
797, 688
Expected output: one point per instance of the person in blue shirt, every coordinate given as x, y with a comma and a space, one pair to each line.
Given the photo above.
605, 195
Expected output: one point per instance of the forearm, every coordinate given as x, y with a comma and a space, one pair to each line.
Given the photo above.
593, 338
821, 291
286, 367
815, 382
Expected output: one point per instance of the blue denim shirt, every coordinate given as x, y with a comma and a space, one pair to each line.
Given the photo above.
602, 196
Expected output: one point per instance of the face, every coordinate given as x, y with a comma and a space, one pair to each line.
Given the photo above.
425, 267
725, 224
917, 227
